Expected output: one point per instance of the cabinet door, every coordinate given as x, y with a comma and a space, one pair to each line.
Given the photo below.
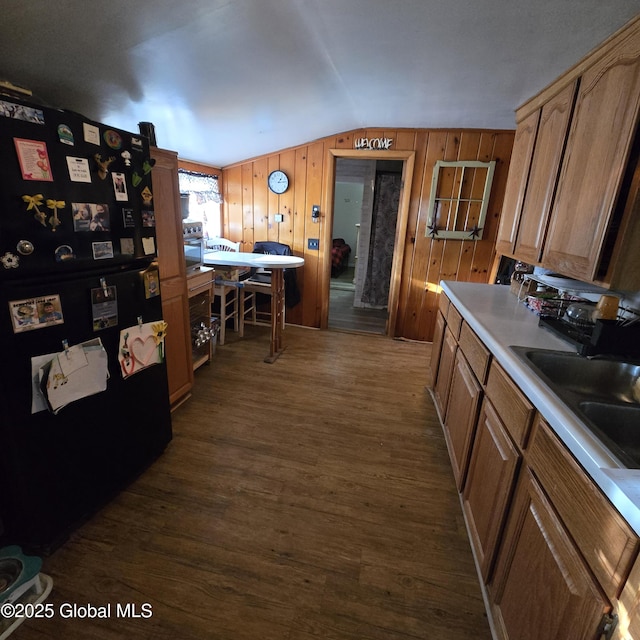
166, 201
171, 264
445, 369
599, 143
175, 310
489, 485
436, 347
461, 416
543, 177
517, 183
541, 586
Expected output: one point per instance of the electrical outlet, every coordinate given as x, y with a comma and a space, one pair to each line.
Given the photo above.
314, 244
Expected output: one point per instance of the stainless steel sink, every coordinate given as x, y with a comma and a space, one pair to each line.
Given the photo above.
604, 394
610, 379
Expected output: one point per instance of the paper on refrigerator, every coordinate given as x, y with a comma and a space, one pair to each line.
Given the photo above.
61, 378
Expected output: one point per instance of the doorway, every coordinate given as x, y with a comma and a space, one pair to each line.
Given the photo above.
365, 213
367, 207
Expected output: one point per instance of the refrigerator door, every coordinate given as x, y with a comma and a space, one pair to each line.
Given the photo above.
75, 195
56, 469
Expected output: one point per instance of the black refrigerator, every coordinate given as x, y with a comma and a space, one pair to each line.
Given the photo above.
84, 404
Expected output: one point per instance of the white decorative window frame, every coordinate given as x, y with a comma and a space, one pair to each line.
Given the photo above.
450, 232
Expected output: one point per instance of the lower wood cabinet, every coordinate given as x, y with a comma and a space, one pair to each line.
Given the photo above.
556, 559
200, 291
489, 486
461, 418
436, 347
542, 588
445, 371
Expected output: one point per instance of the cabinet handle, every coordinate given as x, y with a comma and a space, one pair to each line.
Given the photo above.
607, 626
200, 286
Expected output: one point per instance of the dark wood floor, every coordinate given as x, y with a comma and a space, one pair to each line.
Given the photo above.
304, 500
344, 316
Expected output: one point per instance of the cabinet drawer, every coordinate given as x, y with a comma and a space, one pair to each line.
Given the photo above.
605, 540
475, 352
443, 303
454, 321
199, 281
512, 406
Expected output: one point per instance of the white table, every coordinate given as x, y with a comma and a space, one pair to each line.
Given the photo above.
276, 264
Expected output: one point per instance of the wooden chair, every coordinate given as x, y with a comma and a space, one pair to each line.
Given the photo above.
259, 284
229, 304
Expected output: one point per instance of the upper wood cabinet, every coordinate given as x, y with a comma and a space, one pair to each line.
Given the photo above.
550, 142
572, 190
521, 156
598, 149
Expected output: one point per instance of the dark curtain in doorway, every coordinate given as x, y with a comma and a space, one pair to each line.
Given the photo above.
383, 233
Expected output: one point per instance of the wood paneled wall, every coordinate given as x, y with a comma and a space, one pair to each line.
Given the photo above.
250, 208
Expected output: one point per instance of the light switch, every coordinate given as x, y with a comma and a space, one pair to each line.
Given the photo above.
278, 217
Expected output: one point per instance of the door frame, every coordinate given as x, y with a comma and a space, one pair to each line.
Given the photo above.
408, 159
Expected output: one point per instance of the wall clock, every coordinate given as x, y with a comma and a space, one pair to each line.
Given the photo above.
278, 181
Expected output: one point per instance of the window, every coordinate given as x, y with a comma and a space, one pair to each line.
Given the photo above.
204, 200
459, 199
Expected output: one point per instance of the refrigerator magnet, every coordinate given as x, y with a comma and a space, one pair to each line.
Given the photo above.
100, 219
91, 133
103, 165
147, 196
24, 315
78, 169
112, 138
81, 212
35, 313
120, 186
63, 253
148, 219
127, 218
65, 135
21, 112
104, 307
10, 260
102, 250
34, 160
49, 310
127, 247
149, 245
151, 284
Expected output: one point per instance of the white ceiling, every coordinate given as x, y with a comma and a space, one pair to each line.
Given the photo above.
227, 80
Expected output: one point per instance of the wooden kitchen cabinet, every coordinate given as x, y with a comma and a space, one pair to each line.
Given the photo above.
542, 587
445, 371
543, 176
461, 416
200, 290
598, 148
489, 486
436, 347
556, 558
523, 145
503, 427
607, 543
573, 188
172, 268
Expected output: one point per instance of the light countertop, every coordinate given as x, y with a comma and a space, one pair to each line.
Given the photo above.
242, 259
500, 321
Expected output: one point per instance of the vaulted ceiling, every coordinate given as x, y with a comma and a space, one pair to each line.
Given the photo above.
227, 80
